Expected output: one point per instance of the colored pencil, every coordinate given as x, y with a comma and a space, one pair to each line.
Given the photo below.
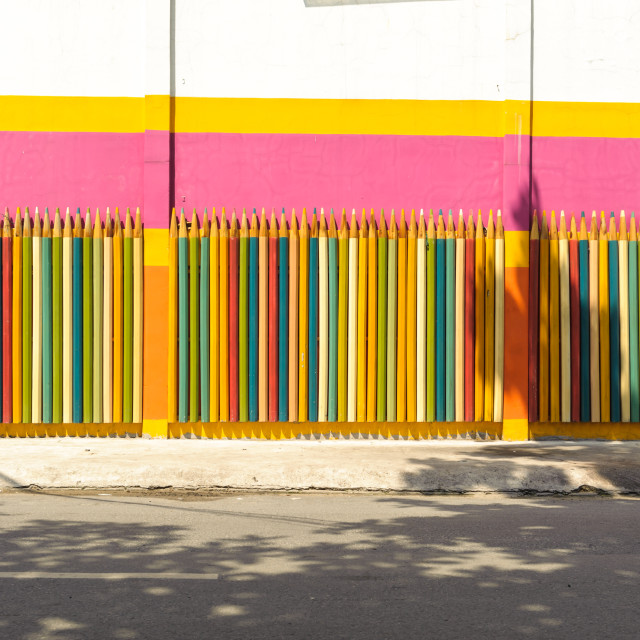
56, 303
431, 318
273, 320
118, 316
594, 319
372, 317
234, 290
479, 325
97, 301
623, 282
411, 303
334, 310
392, 319
574, 297
253, 283
87, 318
127, 320
294, 310
554, 321
137, 319
489, 317
614, 320
498, 363
381, 387
7, 399
343, 318
469, 320
583, 259
183, 319
450, 321
172, 328
214, 328
205, 319
283, 320
323, 320
303, 319
441, 284
534, 317
263, 320
605, 336
565, 321
107, 313
243, 321
634, 382
544, 320
421, 320
36, 360
312, 347
401, 350
16, 319
27, 317
362, 321
78, 317
223, 322
353, 318
460, 309
194, 322
67, 319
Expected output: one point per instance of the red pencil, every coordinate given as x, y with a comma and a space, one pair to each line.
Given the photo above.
273, 319
234, 248
7, 407
574, 299
534, 316
469, 320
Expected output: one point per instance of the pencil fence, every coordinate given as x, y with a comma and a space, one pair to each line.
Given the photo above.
361, 323
71, 319
583, 320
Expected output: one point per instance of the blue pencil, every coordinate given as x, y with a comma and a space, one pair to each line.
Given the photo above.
183, 320
583, 261
614, 321
47, 323
205, 357
440, 319
253, 318
313, 320
450, 320
77, 319
634, 355
283, 321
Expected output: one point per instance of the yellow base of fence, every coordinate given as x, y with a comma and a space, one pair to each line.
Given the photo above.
122, 429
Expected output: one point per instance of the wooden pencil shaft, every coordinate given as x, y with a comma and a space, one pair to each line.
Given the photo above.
459, 329
107, 335
67, 324
98, 327
352, 330
392, 323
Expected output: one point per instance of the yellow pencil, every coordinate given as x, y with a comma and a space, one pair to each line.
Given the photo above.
362, 321
118, 340
411, 317
352, 319
16, 327
372, 318
489, 317
303, 319
544, 320
401, 380
479, 342
603, 291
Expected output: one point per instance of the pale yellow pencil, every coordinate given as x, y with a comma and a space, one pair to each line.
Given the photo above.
623, 271
459, 346
107, 326
263, 322
421, 321
323, 318
67, 321
498, 365
352, 319
36, 366
137, 318
565, 322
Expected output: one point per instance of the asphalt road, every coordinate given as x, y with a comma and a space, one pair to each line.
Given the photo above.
318, 566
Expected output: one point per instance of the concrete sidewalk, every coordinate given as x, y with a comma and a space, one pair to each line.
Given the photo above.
436, 466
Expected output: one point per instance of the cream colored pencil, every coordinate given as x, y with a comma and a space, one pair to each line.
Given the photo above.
594, 320
137, 318
623, 271
263, 323
459, 346
98, 320
107, 326
323, 317
352, 333
36, 366
421, 321
565, 322
67, 320
498, 365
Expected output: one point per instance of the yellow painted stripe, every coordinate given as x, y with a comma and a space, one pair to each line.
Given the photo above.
156, 247
516, 248
320, 116
155, 428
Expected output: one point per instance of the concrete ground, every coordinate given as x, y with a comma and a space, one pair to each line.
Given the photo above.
79, 566
432, 466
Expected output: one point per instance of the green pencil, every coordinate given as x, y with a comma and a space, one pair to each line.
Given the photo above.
194, 319
381, 392
431, 319
87, 320
450, 297
98, 302
392, 317
27, 309
183, 319
243, 322
56, 248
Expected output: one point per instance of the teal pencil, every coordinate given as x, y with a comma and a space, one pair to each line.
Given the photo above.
332, 411
47, 323
243, 322
431, 319
183, 319
381, 397
614, 320
253, 315
87, 320
634, 363
205, 355
450, 320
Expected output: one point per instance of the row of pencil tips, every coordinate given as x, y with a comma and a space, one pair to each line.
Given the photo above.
606, 228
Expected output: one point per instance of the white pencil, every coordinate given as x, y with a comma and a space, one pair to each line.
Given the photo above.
323, 316
137, 319
36, 367
459, 346
421, 321
107, 312
98, 301
352, 333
